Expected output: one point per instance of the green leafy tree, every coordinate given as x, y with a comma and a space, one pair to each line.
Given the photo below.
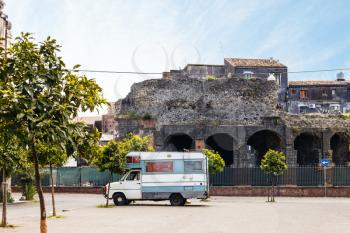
112, 156
43, 96
85, 144
215, 161
273, 164
12, 158
52, 155
134, 142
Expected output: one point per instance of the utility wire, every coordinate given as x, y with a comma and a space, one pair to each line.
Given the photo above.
272, 69
116, 72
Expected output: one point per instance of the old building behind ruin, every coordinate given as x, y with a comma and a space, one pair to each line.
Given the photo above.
322, 96
240, 116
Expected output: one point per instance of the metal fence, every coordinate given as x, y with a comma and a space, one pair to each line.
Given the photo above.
73, 177
301, 176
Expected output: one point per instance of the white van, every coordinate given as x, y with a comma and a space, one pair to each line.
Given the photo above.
174, 176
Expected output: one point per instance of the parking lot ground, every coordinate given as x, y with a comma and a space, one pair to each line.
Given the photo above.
220, 215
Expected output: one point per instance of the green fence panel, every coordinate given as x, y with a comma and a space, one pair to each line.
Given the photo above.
68, 176
310, 176
341, 176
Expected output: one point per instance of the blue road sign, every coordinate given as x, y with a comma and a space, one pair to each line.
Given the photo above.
325, 162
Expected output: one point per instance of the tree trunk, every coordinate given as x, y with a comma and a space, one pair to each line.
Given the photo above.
52, 193
273, 188
109, 187
4, 199
43, 224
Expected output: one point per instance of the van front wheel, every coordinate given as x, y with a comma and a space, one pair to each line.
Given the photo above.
176, 199
119, 199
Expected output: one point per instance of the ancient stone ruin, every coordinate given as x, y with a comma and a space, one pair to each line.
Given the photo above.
238, 116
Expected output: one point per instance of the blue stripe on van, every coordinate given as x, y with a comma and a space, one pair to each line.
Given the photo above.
173, 188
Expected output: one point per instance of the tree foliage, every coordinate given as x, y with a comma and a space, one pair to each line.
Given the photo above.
112, 156
85, 144
273, 162
51, 154
42, 96
215, 161
12, 158
13, 155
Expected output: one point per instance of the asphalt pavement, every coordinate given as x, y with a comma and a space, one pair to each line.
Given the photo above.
219, 215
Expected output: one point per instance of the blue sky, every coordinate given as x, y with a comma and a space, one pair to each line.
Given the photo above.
157, 35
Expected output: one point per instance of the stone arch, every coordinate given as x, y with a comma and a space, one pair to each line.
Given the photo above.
179, 142
340, 146
223, 144
261, 141
309, 148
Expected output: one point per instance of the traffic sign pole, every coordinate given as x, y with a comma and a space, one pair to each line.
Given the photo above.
325, 181
325, 163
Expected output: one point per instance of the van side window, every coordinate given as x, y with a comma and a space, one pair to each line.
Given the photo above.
193, 166
159, 166
133, 176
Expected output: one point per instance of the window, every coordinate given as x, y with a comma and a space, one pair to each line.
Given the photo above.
248, 74
303, 94
333, 92
133, 176
293, 91
133, 159
193, 166
159, 166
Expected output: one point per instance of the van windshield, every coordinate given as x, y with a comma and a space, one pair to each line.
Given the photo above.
123, 177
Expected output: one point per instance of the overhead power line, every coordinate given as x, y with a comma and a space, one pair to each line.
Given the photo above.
273, 69
117, 72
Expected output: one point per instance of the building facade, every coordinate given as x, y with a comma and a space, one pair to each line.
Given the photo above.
5, 26
319, 96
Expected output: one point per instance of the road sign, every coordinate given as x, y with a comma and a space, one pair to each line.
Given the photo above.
325, 162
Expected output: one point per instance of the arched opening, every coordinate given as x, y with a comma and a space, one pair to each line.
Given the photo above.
179, 142
340, 148
223, 144
260, 142
309, 149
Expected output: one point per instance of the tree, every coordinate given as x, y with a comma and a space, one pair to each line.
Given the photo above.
112, 157
53, 156
43, 96
215, 161
85, 144
273, 163
12, 158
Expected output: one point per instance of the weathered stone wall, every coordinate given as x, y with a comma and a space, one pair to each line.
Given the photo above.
236, 107
193, 101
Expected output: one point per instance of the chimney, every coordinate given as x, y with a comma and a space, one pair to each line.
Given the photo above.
340, 76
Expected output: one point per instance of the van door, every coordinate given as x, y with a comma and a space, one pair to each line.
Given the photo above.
132, 186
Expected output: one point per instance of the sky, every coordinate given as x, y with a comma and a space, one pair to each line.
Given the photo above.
159, 35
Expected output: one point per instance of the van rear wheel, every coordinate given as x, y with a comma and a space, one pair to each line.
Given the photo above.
119, 199
176, 199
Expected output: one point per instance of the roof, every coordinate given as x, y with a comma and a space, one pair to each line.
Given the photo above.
207, 65
243, 62
318, 83
107, 137
90, 120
